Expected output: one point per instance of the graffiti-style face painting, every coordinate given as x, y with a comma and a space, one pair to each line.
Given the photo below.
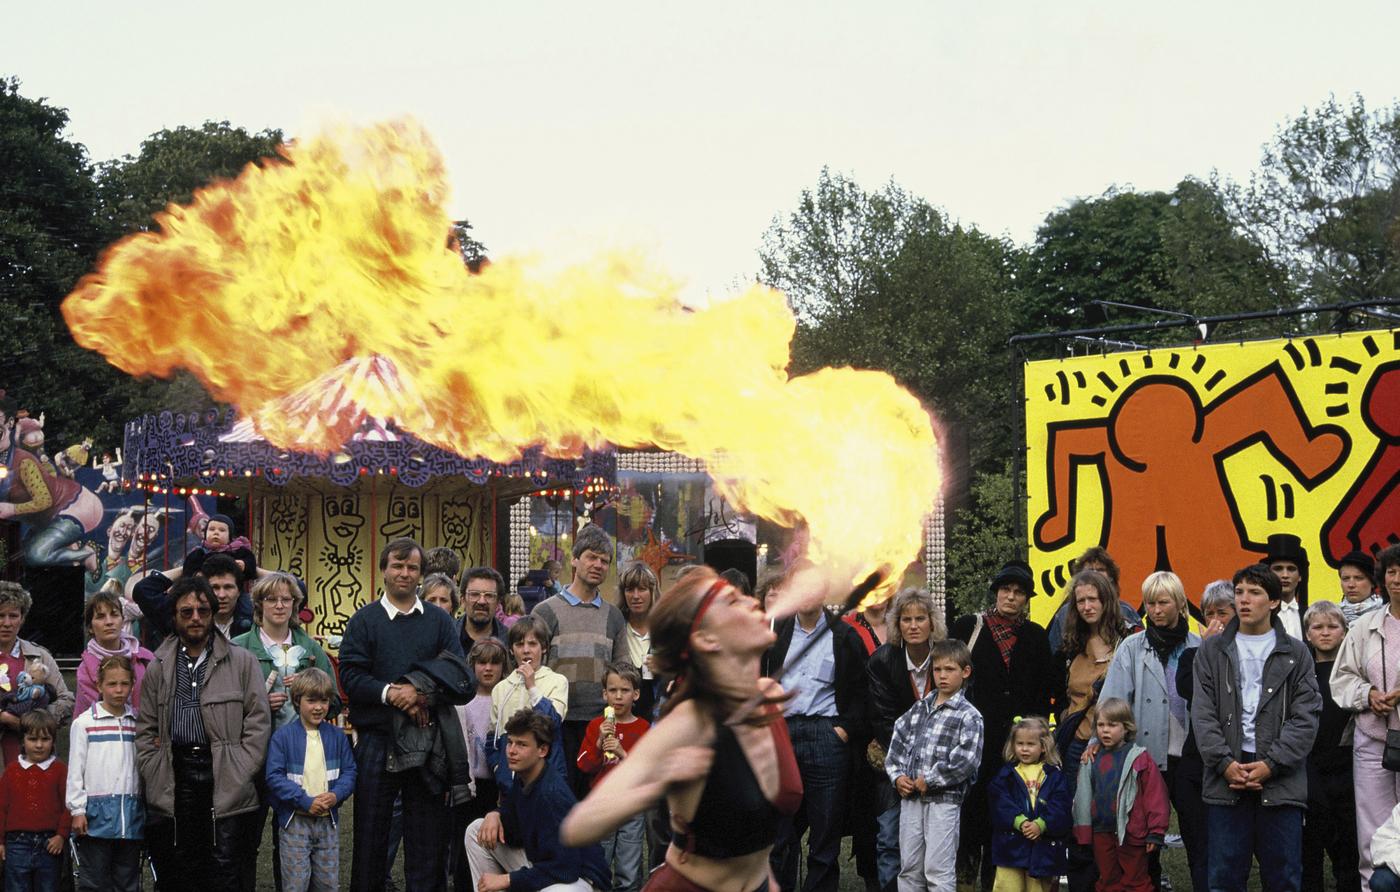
1189, 459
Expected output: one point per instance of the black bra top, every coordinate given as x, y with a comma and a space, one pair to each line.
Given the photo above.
734, 817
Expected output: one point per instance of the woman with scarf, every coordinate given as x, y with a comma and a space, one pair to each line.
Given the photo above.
1093, 629
1013, 676
1143, 672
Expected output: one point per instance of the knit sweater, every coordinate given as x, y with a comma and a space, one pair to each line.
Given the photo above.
104, 783
31, 798
376, 652
530, 816
583, 639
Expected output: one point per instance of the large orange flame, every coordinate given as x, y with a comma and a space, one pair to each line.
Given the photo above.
268, 282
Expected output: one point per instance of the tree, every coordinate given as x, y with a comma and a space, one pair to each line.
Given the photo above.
1325, 201
47, 240
170, 166
882, 280
1176, 251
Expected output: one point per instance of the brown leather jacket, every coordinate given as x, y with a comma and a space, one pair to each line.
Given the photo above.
237, 722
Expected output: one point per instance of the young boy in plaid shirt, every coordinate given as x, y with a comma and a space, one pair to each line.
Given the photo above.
932, 761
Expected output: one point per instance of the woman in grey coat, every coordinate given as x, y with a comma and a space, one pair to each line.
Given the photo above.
1143, 672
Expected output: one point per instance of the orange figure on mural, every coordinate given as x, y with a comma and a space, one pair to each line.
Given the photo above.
1368, 517
1160, 456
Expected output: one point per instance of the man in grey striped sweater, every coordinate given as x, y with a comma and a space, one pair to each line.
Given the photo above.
586, 633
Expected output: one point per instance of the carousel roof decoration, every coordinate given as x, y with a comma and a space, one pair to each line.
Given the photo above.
205, 449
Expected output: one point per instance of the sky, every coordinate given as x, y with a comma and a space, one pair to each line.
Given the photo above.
683, 130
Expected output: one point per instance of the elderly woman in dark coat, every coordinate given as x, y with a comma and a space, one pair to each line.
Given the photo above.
1013, 674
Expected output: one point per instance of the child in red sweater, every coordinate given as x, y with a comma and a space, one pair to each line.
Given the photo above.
605, 744
33, 819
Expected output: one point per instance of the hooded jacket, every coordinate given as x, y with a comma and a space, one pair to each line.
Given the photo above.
233, 704
1285, 722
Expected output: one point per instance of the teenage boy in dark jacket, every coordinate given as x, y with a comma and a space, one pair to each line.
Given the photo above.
518, 847
1255, 712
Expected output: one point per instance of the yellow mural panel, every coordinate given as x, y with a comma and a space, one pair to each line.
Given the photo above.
331, 541
1187, 459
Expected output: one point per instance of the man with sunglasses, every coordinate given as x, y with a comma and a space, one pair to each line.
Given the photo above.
201, 736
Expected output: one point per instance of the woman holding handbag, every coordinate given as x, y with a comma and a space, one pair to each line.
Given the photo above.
1092, 633
1366, 680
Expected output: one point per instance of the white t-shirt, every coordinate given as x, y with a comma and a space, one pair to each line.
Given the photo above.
1254, 650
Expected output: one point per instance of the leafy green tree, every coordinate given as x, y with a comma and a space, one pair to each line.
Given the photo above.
1325, 201
1175, 251
883, 280
47, 240
171, 165
168, 168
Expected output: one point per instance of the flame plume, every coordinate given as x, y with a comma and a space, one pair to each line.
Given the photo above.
267, 283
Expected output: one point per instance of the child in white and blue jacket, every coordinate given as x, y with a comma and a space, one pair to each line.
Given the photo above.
103, 794
310, 772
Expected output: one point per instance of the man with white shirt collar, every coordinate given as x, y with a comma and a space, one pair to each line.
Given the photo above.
1289, 560
382, 641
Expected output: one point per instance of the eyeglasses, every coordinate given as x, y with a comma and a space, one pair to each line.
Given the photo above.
191, 612
281, 600
472, 594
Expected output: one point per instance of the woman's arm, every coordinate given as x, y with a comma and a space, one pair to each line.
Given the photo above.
1350, 686
676, 750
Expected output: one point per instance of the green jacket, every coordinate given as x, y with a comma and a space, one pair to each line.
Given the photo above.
310, 654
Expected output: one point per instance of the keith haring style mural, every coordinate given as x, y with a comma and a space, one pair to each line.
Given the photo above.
1188, 459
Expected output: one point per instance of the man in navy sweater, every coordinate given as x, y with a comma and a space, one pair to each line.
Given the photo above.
518, 847
382, 641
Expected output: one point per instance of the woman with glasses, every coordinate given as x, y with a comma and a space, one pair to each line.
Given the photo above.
283, 649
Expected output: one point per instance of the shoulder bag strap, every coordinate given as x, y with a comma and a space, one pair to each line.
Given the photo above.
977, 632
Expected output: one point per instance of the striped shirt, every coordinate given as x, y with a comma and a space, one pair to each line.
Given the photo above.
940, 742
186, 724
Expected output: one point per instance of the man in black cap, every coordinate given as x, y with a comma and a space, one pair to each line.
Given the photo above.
1289, 560
1012, 675
1357, 574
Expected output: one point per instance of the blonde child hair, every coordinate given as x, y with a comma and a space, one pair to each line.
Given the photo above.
1116, 709
1049, 752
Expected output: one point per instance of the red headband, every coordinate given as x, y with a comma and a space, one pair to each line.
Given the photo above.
706, 600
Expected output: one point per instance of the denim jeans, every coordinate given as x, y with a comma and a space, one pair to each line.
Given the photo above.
622, 851
28, 864
1248, 831
824, 762
887, 845
1383, 879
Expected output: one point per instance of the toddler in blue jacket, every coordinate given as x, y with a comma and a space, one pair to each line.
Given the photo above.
1031, 802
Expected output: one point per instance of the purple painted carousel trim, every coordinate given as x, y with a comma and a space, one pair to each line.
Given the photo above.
188, 446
